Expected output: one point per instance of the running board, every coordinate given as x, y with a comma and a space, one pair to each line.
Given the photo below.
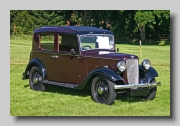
60, 84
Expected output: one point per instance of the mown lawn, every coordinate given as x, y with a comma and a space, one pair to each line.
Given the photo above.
59, 101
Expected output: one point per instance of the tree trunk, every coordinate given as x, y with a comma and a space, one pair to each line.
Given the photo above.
142, 33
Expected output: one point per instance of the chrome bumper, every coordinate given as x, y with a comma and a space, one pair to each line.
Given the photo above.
137, 85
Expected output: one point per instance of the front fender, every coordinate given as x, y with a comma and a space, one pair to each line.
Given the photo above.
110, 74
34, 62
148, 75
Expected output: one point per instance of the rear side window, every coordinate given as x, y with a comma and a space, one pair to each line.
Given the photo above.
47, 42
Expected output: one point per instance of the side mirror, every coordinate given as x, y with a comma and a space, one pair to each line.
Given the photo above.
117, 50
73, 51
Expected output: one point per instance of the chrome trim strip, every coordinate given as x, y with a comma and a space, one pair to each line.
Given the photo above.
100, 58
64, 54
137, 85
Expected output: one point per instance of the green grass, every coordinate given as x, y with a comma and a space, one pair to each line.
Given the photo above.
59, 101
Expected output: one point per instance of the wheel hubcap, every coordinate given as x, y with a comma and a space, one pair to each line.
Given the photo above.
100, 90
35, 80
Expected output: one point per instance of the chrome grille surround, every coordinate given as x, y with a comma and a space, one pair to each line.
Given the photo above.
132, 67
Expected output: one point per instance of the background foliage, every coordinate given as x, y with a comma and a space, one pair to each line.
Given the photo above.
128, 25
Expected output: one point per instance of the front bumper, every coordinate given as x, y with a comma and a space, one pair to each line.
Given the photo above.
137, 85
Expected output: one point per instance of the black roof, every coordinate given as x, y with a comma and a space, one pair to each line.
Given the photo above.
73, 29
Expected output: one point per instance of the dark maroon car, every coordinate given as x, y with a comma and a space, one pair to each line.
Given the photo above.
84, 57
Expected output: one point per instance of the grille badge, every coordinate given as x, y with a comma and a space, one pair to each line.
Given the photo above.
132, 56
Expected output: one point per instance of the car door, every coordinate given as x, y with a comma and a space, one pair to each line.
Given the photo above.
67, 69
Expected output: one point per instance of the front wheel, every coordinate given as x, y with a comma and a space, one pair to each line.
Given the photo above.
103, 90
35, 80
153, 91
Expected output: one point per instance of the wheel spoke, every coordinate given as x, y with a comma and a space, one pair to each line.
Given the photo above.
102, 85
38, 84
35, 79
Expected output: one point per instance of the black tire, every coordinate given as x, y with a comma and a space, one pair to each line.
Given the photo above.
102, 90
153, 91
35, 80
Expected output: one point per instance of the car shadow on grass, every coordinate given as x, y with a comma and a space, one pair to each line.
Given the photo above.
86, 92
68, 91
64, 90
124, 98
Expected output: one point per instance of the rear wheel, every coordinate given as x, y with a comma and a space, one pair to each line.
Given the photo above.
35, 80
103, 90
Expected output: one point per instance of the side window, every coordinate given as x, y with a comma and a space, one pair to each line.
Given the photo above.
68, 42
47, 42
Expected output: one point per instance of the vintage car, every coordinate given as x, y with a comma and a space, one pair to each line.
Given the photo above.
85, 57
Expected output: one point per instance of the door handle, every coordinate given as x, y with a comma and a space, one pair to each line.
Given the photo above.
55, 56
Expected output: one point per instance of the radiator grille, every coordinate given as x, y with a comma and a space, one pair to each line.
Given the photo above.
132, 71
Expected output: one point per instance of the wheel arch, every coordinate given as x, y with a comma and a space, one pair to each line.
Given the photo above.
108, 73
149, 75
37, 63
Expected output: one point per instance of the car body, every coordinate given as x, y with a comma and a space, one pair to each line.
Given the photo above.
85, 57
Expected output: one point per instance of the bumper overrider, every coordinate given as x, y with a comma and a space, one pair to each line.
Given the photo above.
23, 75
137, 85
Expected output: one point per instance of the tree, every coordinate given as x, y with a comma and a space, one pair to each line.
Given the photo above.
25, 21
118, 21
162, 18
142, 18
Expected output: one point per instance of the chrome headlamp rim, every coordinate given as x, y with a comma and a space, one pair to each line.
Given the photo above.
146, 64
121, 66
